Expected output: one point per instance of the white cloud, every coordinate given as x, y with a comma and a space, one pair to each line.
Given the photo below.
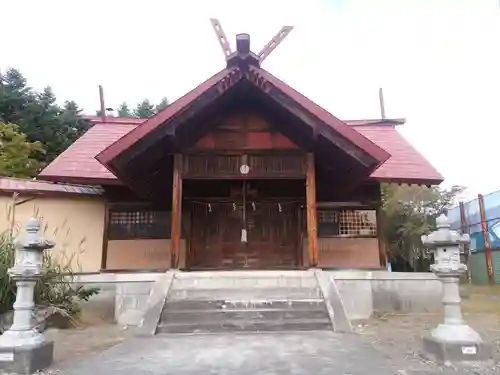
436, 59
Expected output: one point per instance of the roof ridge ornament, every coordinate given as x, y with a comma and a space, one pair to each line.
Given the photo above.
243, 43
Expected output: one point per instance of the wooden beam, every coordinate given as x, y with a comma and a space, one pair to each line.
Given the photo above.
486, 240
176, 224
312, 222
317, 126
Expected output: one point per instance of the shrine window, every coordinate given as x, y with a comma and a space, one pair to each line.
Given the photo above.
131, 223
347, 223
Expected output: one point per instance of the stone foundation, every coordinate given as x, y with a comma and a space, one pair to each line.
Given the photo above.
26, 359
366, 292
455, 352
124, 297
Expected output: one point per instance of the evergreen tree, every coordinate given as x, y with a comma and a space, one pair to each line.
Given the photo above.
15, 96
162, 105
38, 115
144, 109
124, 110
72, 123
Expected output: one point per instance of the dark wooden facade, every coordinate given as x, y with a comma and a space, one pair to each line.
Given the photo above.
245, 196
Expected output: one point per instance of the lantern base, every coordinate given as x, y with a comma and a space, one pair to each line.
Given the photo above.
455, 350
26, 359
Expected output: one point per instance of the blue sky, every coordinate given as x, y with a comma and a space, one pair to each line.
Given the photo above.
437, 60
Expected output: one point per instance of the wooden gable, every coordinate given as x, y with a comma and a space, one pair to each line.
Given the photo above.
244, 131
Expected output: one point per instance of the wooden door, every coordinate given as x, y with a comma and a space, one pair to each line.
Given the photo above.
273, 235
216, 236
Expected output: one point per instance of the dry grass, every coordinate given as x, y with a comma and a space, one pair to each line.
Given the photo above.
483, 299
399, 336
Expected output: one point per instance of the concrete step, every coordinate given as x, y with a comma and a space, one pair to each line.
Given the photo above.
246, 325
221, 316
183, 305
244, 301
244, 280
239, 294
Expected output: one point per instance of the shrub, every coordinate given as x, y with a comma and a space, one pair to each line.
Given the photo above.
7, 288
55, 292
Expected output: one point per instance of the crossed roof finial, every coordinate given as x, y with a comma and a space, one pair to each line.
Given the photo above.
266, 50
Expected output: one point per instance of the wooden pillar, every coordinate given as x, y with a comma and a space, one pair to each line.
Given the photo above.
312, 221
486, 239
176, 222
382, 245
104, 255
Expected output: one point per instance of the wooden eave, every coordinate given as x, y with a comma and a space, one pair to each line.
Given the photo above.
163, 128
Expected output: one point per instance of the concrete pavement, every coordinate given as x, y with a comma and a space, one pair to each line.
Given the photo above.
318, 353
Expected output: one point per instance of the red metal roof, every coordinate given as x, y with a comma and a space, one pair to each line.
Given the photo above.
115, 120
406, 164
113, 149
339, 126
232, 75
78, 163
17, 185
384, 121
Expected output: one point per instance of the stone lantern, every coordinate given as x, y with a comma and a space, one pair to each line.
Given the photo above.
24, 350
452, 341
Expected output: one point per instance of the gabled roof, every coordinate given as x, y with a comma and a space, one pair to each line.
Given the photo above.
262, 80
124, 147
78, 163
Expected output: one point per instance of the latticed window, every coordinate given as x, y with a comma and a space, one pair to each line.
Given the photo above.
348, 223
138, 223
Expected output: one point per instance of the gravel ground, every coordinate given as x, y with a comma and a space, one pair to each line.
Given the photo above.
399, 335
93, 335
73, 344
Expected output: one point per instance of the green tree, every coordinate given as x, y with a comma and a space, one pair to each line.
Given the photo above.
15, 96
162, 105
408, 213
17, 154
72, 125
124, 110
38, 115
144, 109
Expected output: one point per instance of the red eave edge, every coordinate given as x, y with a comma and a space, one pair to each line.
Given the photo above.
408, 181
338, 125
112, 151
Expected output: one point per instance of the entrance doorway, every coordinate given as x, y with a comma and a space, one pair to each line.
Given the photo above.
244, 232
